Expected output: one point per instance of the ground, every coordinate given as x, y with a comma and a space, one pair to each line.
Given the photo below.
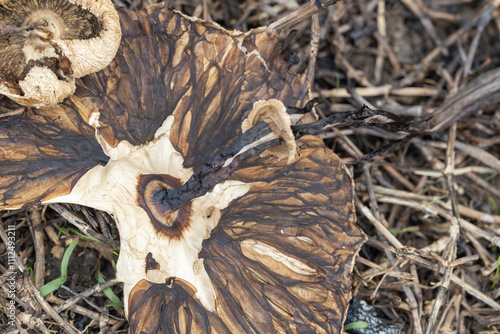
404, 201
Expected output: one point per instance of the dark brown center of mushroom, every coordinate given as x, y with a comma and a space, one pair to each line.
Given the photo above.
164, 219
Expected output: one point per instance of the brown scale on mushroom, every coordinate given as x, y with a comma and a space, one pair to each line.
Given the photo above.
218, 233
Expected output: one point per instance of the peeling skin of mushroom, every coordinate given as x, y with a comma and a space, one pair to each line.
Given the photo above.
274, 113
63, 40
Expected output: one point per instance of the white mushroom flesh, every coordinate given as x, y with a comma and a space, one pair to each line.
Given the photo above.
113, 188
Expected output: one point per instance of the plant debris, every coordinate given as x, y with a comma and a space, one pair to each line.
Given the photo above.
430, 206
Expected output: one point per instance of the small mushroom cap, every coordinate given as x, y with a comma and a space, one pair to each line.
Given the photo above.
51, 42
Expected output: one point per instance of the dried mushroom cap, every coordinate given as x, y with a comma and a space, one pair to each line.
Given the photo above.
48, 43
216, 237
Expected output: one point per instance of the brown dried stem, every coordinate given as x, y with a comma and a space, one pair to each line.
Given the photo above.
39, 267
451, 250
87, 293
479, 93
418, 8
483, 21
313, 52
398, 245
299, 15
77, 222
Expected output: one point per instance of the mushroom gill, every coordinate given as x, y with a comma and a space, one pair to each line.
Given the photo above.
46, 44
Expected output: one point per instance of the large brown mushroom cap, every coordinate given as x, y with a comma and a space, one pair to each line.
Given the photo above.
279, 259
268, 243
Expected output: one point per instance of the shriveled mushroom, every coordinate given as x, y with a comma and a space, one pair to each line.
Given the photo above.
218, 232
46, 44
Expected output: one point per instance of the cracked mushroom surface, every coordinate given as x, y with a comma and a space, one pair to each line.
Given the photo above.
219, 232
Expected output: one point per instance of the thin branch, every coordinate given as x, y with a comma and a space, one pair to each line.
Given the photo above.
87, 293
77, 222
299, 15
39, 267
313, 52
484, 19
451, 250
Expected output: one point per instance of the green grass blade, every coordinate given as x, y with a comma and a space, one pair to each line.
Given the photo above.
108, 292
55, 284
51, 286
356, 325
72, 230
65, 260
